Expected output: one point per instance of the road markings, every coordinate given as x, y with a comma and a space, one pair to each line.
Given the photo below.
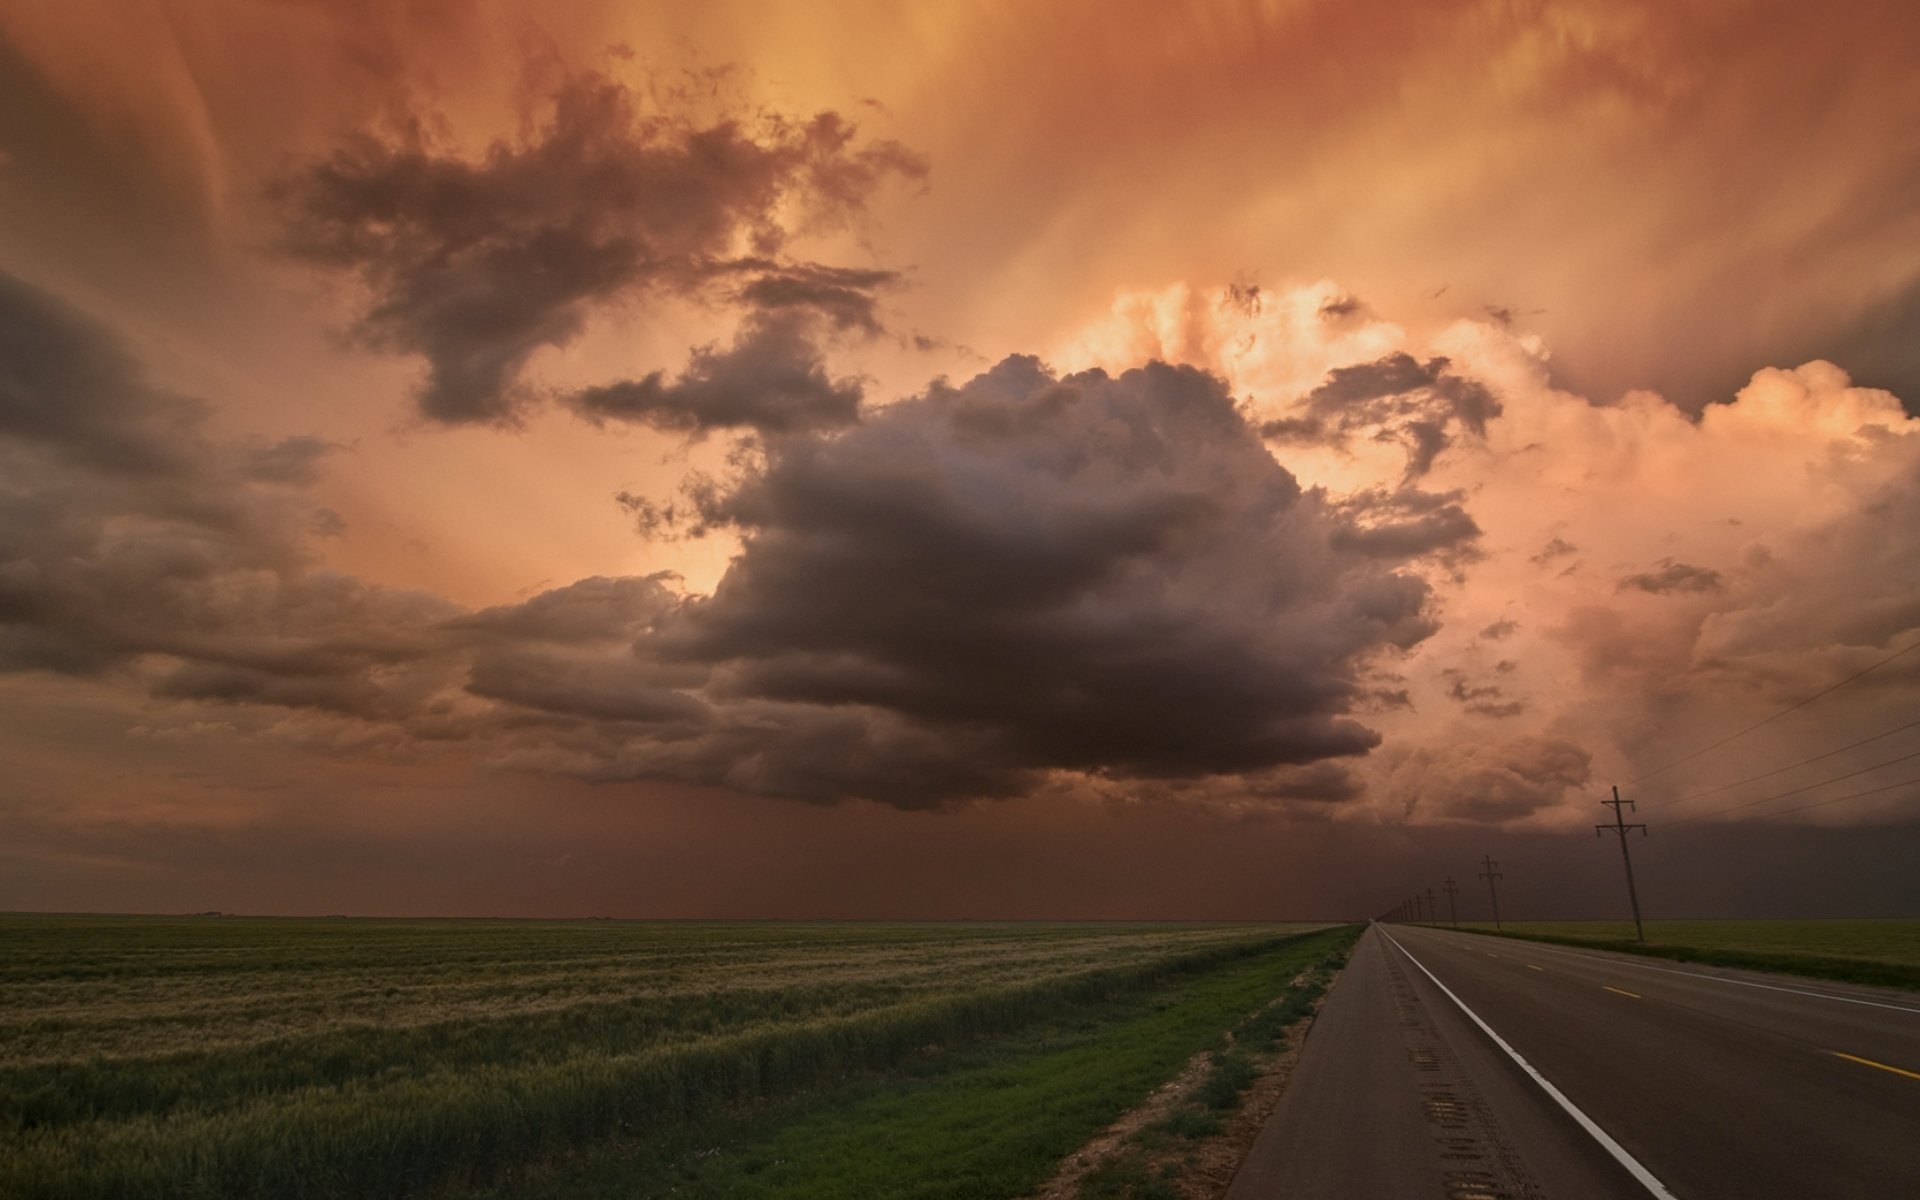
1619, 1152
1621, 992
1531, 967
1625, 961
1867, 1062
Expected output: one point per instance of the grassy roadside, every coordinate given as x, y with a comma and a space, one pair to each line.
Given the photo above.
990, 1118
1183, 1151
1880, 953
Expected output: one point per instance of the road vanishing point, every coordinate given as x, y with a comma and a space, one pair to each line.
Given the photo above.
1466, 1067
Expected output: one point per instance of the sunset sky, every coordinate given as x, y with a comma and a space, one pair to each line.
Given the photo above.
957, 460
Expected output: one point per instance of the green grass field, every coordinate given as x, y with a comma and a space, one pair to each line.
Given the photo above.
152, 1057
1885, 952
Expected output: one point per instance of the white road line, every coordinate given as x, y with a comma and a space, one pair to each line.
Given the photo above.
1619, 1152
1627, 961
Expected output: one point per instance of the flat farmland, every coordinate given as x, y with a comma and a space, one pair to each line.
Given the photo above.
256, 1057
1885, 952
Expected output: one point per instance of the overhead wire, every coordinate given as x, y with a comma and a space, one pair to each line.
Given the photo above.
1794, 707
1783, 770
1712, 812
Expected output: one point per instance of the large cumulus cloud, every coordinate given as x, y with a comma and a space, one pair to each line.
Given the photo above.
990, 585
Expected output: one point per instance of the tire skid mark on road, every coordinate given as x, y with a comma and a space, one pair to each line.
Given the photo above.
1478, 1161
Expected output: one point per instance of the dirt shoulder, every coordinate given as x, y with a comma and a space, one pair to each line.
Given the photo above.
1189, 1137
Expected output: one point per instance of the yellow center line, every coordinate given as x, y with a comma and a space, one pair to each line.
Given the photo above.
1867, 1062
1622, 991
1531, 967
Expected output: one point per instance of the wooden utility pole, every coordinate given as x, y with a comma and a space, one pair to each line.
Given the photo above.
1433, 909
1490, 875
1620, 827
1453, 912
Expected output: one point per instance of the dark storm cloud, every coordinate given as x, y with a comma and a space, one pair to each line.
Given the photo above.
772, 379
130, 541
477, 264
69, 388
1674, 577
1397, 398
1089, 574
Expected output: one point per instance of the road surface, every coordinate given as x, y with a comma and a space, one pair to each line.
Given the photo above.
1466, 1067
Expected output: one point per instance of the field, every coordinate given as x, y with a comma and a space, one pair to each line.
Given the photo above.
1885, 952
150, 1057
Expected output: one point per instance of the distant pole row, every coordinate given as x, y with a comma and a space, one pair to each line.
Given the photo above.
1422, 907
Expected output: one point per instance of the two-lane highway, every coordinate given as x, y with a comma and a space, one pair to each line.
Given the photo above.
1568, 1072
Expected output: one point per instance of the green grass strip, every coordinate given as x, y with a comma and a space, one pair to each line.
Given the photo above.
1843, 970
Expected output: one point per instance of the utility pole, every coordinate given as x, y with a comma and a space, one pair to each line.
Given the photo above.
1433, 910
1490, 875
1620, 827
1453, 912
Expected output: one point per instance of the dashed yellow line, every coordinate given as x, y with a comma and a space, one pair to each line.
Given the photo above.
1880, 1066
1531, 967
1622, 992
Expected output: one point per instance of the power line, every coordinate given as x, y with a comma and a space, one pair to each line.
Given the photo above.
1776, 716
1687, 820
1849, 796
1783, 770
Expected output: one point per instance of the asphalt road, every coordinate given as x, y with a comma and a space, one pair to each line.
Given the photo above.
1639, 1078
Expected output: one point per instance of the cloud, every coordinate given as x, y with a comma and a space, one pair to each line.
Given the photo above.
132, 543
772, 379
1089, 574
477, 264
1482, 699
1488, 781
1674, 577
1399, 398
1801, 491
1103, 583
846, 297
1408, 523
974, 592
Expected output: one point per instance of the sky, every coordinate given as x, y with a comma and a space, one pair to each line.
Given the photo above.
958, 460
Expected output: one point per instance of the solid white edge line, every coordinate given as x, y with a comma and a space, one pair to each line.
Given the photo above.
1619, 1152
1627, 961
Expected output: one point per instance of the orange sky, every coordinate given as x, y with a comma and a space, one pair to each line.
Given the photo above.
1587, 328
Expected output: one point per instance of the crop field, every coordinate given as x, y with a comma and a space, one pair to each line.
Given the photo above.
151, 1057
1865, 951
